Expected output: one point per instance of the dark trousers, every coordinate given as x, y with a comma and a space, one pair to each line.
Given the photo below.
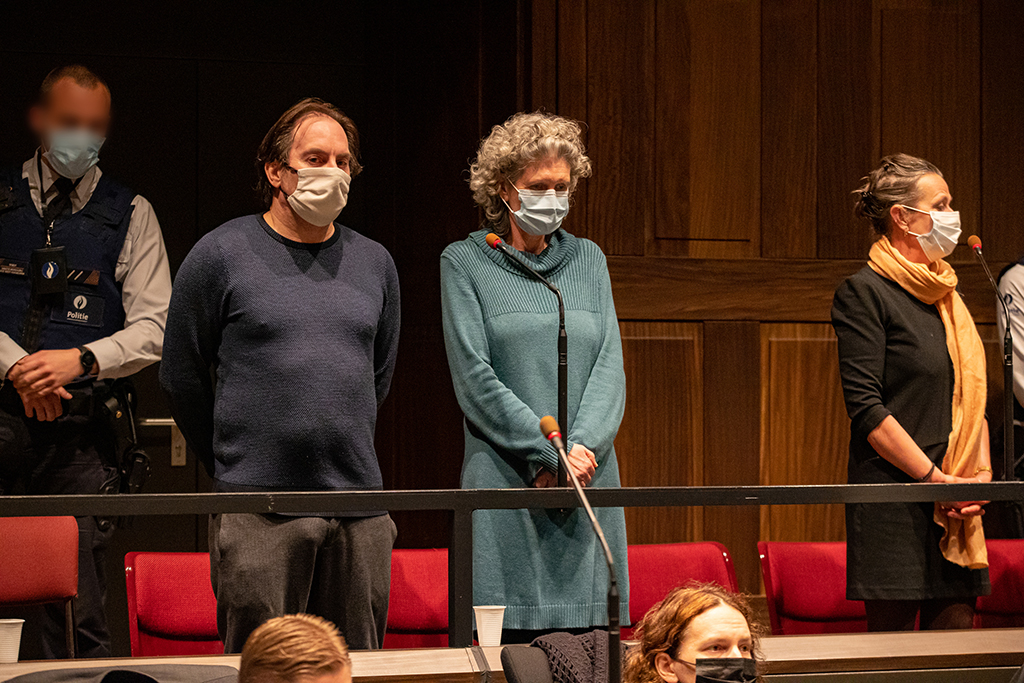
265, 566
70, 455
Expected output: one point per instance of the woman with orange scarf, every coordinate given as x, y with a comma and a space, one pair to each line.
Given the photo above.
913, 373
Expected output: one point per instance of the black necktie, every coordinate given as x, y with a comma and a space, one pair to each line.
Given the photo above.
62, 202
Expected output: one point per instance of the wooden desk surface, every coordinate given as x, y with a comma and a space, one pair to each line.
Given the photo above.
889, 651
785, 655
390, 666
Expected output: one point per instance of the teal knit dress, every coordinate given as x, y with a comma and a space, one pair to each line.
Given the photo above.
501, 334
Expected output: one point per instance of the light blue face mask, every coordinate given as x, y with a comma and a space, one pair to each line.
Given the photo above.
540, 212
73, 151
941, 240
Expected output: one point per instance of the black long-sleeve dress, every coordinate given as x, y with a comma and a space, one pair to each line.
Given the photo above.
893, 360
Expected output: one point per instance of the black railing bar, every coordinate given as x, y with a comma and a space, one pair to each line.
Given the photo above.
146, 504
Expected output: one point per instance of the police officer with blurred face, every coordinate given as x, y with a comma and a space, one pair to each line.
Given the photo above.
84, 289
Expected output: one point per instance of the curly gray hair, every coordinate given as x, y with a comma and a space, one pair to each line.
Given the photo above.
512, 146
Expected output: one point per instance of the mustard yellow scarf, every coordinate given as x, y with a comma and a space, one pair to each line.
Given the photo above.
935, 284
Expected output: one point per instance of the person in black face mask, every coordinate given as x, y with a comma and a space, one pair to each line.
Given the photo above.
699, 633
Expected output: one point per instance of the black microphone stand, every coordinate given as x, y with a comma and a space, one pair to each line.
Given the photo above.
614, 632
1008, 450
563, 348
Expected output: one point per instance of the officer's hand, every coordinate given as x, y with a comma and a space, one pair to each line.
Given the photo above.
45, 372
46, 408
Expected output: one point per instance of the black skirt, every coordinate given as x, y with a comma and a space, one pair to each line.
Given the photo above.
892, 553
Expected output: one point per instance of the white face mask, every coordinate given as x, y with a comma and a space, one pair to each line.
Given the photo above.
320, 195
941, 241
73, 151
540, 212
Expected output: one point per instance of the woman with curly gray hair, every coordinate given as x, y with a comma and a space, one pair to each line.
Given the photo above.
500, 328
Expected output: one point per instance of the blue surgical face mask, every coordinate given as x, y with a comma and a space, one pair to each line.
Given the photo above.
73, 151
540, 212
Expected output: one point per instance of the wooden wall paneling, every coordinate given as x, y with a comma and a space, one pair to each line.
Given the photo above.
993, 343
930, 66
847, 130
795, 290
660, 442
789, 104
708, 85
673, 117
543, 48
707, 289
1002, 127
620, 117
732, 364
805, 431
571, 89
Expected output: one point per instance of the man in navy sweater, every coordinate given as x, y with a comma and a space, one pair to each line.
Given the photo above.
297, 316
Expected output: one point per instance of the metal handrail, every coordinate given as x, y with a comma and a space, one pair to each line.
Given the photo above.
463, 503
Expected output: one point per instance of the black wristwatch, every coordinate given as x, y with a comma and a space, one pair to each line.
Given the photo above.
87, 359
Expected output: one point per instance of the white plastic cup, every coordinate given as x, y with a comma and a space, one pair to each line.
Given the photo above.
488, 624
10, 640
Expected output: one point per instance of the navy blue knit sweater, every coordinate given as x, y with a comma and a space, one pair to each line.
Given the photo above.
301, 339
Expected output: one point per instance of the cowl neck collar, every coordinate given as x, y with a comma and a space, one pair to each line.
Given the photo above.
561, 248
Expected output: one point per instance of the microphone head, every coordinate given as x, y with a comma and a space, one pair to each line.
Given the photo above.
974, 242
492, 240
549, 426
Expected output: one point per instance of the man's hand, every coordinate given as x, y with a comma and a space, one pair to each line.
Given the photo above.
46, 372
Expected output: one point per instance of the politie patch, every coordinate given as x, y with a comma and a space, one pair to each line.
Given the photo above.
80, 309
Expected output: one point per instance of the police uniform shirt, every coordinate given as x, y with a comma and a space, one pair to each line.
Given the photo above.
1011, 288
142, 270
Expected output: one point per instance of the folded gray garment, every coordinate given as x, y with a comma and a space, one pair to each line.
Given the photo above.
156, 673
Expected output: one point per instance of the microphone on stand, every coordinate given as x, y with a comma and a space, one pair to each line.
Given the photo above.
495, 242
549, 428
1008, 451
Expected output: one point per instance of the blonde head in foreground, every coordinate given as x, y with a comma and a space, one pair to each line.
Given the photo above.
296, 648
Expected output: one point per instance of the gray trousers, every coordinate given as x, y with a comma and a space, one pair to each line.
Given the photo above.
264, 566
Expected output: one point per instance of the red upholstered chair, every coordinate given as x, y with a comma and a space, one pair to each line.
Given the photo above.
39, 565
418, 606
654, 570
1005, 607
805, 584
171, 607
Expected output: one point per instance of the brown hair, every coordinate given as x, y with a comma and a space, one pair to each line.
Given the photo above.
893, 182
277, 143
664, 626
290, 647
81, 75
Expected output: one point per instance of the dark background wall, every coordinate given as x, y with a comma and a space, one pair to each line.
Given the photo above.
726, 136
196, 85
